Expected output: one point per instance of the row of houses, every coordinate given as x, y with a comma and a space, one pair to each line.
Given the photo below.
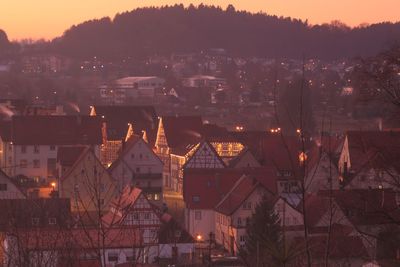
221, 176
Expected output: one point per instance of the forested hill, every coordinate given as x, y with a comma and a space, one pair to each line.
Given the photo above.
149, 31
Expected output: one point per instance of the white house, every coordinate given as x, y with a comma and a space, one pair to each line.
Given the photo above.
139, 166
31, 147
8, 189
235, 209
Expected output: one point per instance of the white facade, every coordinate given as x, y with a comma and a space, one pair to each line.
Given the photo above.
139, 166
8, 190
230, 230
200, 222
34, 161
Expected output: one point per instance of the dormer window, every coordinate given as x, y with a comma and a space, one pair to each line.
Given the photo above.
52, 221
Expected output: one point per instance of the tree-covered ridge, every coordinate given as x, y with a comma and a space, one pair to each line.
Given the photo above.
149, 31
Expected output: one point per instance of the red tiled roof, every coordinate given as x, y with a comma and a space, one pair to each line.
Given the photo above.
182, 131
67, 155
339, 246
240, 191
118, 117
364, 145
126, 149
56, 130
367, 206
79, 238
5, 131
210, 186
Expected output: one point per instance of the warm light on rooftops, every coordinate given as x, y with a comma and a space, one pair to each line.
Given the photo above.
53, 184
239, 128
199, 237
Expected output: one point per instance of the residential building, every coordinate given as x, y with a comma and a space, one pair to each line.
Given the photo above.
176, 136
9, 188
139, 166
235, 209
29, 147
119, 122
88, 185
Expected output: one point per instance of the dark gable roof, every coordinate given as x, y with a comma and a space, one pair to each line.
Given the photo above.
20, 212
5, 131
67, 155
365, 145
56, 130
205, 188
182, 131
237, 195
341, 247
118, 117
367, 206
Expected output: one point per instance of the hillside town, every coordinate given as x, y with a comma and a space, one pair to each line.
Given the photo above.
126, 186
198, 136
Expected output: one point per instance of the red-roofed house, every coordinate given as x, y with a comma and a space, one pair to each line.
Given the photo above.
121, 121
88, 184
132, 208
205, 188
176, 136
8, 188
370, 160
139, 166
34, 141
233, 211
75, 247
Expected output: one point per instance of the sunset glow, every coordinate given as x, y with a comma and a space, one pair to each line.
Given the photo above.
48, 19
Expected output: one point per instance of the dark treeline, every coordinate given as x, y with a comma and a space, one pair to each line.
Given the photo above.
150, 31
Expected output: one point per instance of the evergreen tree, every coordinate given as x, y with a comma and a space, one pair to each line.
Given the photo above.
264, 242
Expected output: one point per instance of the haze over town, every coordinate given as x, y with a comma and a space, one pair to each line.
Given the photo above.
241, 133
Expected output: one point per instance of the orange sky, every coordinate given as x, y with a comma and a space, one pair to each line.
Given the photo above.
49, 18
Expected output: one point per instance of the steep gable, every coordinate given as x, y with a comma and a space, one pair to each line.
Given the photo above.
8, 189
88, 184
204, 157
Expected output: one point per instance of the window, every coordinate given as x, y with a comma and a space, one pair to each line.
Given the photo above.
76, 188
130, 256
197, 215
113, 256
137, 169
36, 163
140, 156
23, 163
52, 221
242, 238
3, 187
23, 149
35, 221
156, 197
196, 199
147, 216
52, 148
247, 205
36, 149
136, 216
102, 201
239, 221
132, 156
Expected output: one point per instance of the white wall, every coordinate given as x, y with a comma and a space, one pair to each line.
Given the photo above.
200, 227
